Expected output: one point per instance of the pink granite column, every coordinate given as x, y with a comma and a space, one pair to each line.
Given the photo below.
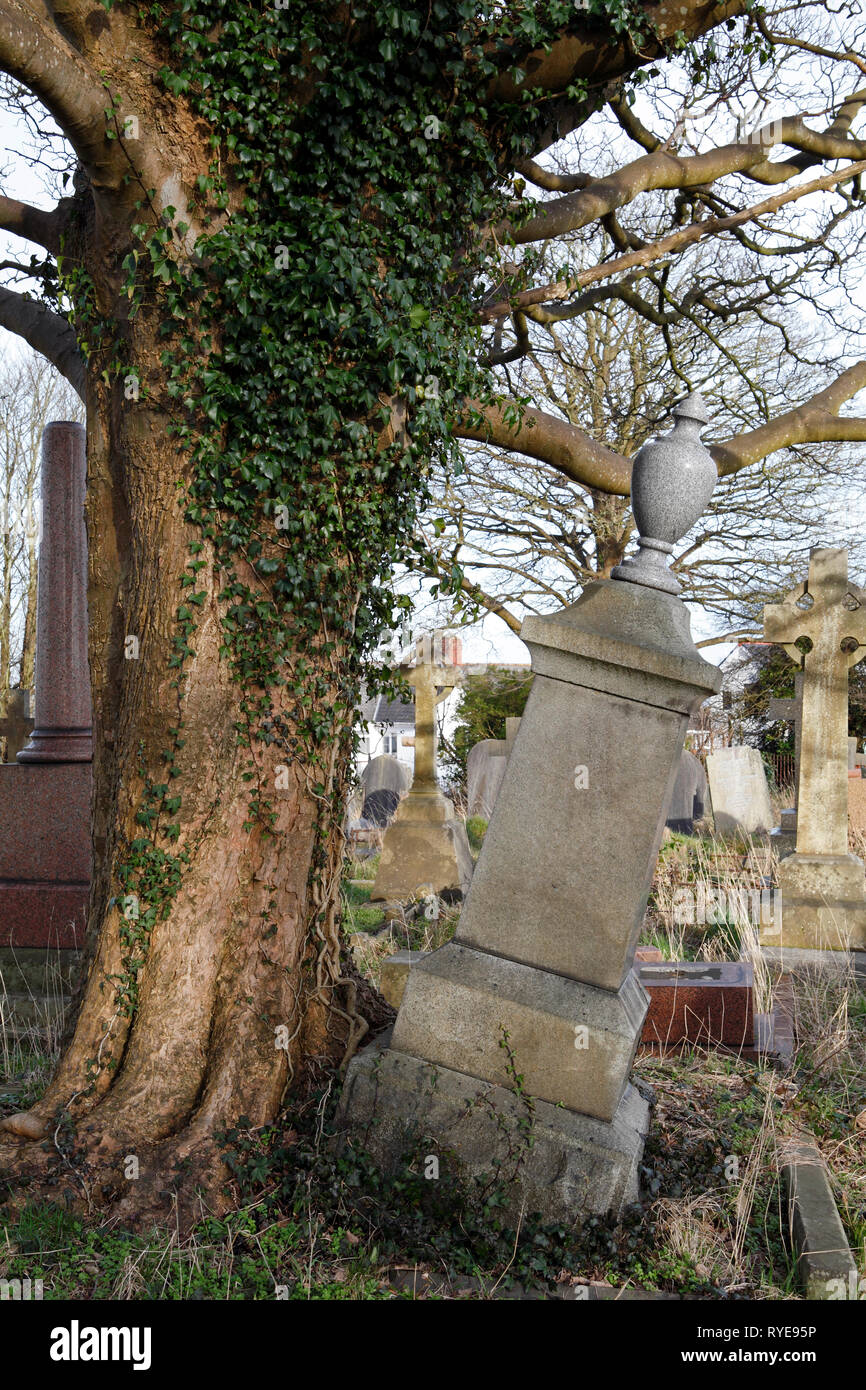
62, 714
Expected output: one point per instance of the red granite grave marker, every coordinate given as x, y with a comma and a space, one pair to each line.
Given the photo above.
45, 796
707, 1003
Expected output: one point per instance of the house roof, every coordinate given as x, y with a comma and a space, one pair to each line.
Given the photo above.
392, 712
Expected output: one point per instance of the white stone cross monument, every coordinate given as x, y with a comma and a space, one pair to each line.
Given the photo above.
425, 849
823, 887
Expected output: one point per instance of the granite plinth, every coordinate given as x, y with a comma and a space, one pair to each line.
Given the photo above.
698, 1002
43, 914
44, 853
45, 822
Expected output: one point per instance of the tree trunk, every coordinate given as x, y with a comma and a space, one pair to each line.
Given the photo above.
205, 1013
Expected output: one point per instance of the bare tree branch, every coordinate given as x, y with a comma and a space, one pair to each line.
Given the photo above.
34, 224
551, 440
676, 241
46, 332
664, 170
35, 52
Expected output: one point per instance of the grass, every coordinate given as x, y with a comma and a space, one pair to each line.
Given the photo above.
825, 1090
314, 1226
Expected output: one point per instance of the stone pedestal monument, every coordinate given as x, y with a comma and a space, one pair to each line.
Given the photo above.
45, 795
823, 887
425, 849
538, 982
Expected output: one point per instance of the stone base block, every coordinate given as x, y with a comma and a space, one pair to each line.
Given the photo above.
425, 850
34, 970
43, 914
402, 1109
790, 957
823, 903
394, 973
45, 822
571, 1042
783, 842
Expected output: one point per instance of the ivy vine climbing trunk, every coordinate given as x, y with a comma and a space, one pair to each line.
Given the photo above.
271, 246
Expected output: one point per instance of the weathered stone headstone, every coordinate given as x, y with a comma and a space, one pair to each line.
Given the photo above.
822, 886
739, 793
386, 773
425, 846
485, 769
16, 724
689, 796
45, 795
538, 980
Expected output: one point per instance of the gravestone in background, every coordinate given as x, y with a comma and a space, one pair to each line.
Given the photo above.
425, 847
739, 793
689, 796
386, 773
485, 769
784, 836
380, 807
822, 886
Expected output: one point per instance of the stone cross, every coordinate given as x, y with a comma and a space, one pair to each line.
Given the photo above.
831, 612
792, 712
432, 683
16, 725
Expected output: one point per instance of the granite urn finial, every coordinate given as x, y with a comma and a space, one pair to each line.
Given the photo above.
672, 480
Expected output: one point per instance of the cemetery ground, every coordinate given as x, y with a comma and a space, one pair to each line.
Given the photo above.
712, 1222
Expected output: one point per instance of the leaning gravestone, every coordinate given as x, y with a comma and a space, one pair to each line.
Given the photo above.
538, 981
689, 796
739, 793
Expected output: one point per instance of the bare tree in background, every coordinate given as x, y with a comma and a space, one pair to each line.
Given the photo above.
517, 536
32, 393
